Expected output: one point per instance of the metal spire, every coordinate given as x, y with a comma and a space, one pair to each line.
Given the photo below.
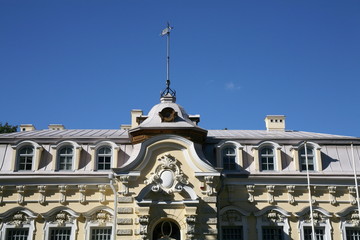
168, 91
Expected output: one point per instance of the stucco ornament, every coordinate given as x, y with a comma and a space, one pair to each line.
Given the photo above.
168, 177
19, 219
274, 217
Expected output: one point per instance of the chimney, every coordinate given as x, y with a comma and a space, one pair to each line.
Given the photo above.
135, 113
26, 127
275, 122
56, 127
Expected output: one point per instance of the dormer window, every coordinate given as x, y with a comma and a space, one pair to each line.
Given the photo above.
104, 158
25, 158
66, 155
267, 159
310, 158
229, 158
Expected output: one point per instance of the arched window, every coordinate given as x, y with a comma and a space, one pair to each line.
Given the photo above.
104, 160
310, 157
65, 158
229, 158
25, 158
267, 159
273, 223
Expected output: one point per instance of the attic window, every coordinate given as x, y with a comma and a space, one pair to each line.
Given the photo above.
168, 115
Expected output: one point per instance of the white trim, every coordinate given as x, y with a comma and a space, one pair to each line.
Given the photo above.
238, 153
114, 154
7, 217
237, 222
326, 224
91, 222
260, 223
36, 156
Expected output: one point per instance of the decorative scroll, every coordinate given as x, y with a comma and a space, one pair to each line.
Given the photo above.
274, 217
209, 185
124, 180
102, 190
1, 194
231, 217
190, 232
317, 216
63, 193
250, 190
352, 192
168, 177
20, 190
332, 191
82, 190
291, 190
42, 191
270, 190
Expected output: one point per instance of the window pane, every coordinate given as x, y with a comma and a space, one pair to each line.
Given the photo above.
272, 233
267, 159
17, 234
25, 158
104, 158
229, 233
229, 158
60, 233
352, 233
101, 233
319, 233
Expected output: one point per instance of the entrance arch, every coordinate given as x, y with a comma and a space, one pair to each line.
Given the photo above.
166, 230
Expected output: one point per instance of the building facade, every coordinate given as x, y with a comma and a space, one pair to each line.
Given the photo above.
164, 177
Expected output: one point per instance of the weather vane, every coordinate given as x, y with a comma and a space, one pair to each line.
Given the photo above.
168, 90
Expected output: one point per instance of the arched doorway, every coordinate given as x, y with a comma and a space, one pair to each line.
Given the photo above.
166, 230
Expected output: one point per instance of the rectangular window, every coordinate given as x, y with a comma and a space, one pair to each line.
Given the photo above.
272, 233
352, 234
319, 233
101, 233
232, 233
60, 233
17, 234
104, 163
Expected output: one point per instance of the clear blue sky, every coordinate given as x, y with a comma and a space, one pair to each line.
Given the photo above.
86, 64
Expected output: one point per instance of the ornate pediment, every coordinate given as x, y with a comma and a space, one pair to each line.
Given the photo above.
168, 176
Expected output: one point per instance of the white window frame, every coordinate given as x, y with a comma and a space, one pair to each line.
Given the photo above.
322, 222
52, 222
277, 155
238, 154
114, 154
9, 222
272, 216
37, 149
267, 156
66, 156
316, 156
347, 221
232, 216
76, 155
92, 221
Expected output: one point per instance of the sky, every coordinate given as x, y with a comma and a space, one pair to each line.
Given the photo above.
87, 64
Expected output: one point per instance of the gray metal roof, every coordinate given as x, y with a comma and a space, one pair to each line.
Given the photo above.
68, 133
264, 134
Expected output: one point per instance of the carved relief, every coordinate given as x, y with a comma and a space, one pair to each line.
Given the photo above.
82, 190
190, 232
42, 191
250, 190
124, 180
270, 190
102, 190
352, 193
1, 194
143, 221
101, 218
20, 190
317, 216
274, 217
63, 193
231, 216
208, 184
332, 191
167, 177
19, 219
291, 190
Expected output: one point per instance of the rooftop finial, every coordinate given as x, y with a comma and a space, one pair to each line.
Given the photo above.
168, 91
